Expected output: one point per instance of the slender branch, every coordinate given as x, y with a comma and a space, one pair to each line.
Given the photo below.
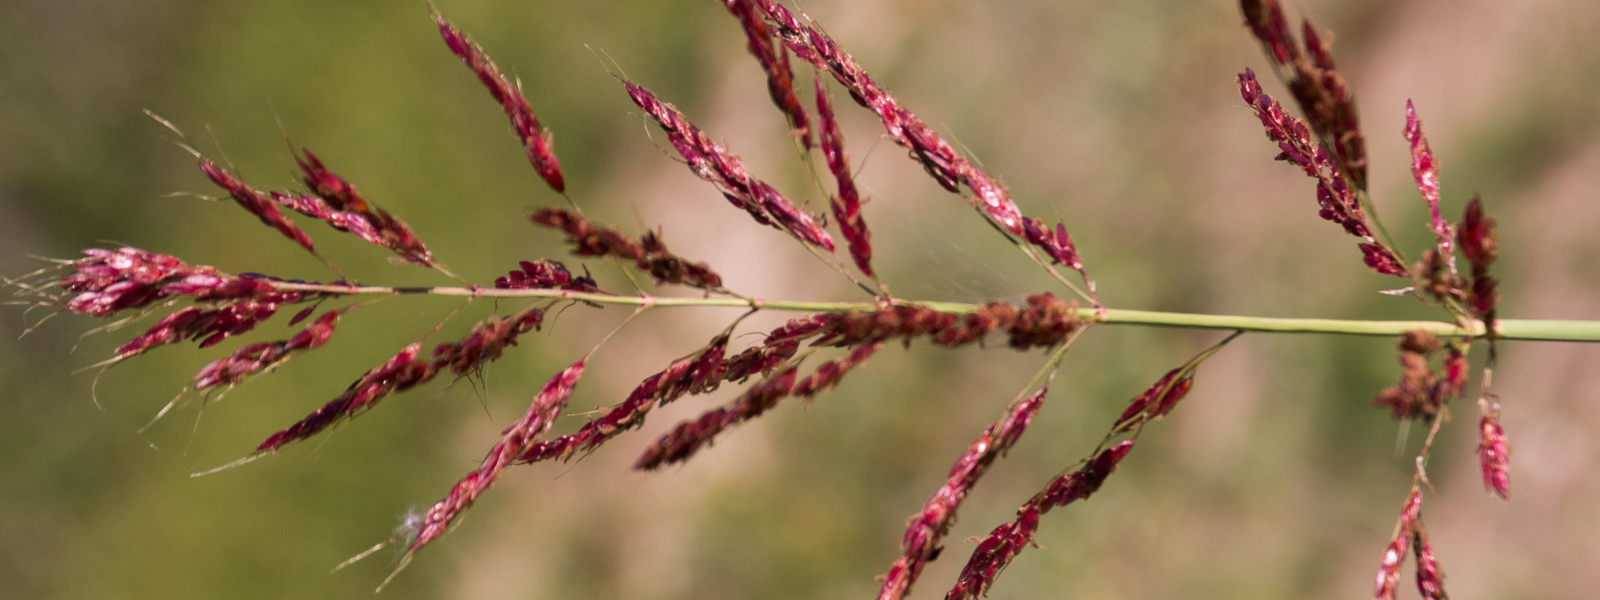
1509, 329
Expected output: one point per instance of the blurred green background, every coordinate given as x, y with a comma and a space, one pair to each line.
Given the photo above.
1277, 478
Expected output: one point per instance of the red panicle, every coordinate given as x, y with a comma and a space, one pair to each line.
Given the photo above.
829, 374
1156, 401
1266, 21
927, 528
517, 438
1382, 260
1494, 456
1321, 91
1335, 196
107, 282
847, 203
1430, 579
717, 165
1388, 578
342, 207
1055, 243
400, 372
775, 61
1425, 170
255, 358
535, 138
255, 202
405, 370
1477, 235
1006, 541
689, 437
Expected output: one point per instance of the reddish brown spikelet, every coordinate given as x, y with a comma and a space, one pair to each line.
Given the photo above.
847, 203
1494, 456
1382, 260
1266, 21
1478, 243
1477, 236
927, 528
1006, 541
348, 211
689, 437
1156, 401
1055, 243
667, 267
587, 238
255, 202
649, 254
775, 62
1326, 99
209, 326
1430, 579
545, 274
535, 137
1316, 83
542, 412
1388, 578
1085, 481
829, 374
171, 329
717, 165
255, 358
486, 342
1425, 170
994, 552
778, 347
400, 372
1335, 196
696, 373
1455, 372
941, 161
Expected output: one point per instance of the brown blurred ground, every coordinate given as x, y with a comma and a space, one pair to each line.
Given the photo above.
1275, 479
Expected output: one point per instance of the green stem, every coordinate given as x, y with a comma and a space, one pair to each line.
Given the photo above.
1510, 329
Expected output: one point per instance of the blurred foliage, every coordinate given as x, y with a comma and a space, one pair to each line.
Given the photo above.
1276, 479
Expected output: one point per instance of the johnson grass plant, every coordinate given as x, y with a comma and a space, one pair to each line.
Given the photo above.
1314, 127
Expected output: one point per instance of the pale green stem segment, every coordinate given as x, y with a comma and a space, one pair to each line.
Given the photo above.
1509, 329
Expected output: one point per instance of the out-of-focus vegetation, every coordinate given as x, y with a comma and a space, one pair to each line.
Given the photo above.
1277, 478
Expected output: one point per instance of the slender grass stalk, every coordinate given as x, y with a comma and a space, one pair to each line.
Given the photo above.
1545, 330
